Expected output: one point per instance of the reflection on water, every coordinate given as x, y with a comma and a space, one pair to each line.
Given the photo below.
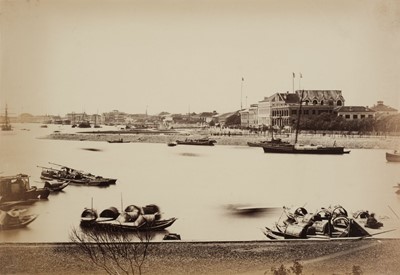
196, 190
185, 154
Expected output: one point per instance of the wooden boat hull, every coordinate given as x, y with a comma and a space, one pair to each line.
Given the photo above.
23, 222
86, 181
126, 226
325, 224
273, 142
32, 194
255, 144
153, 226
393, 157
55, 186
111, 218
291, 149
200, 143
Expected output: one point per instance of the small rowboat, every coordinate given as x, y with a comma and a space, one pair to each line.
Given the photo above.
13, 219
393, 157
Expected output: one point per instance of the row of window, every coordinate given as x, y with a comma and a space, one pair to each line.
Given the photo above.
356, 116
294, 112
330, 102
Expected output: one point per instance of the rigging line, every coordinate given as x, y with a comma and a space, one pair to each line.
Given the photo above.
394, 212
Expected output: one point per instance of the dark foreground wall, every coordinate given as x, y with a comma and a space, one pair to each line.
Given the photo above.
317, 257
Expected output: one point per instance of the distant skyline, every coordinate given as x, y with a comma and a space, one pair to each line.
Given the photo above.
96, 56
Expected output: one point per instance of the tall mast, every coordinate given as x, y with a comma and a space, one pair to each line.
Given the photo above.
6, 116
6, 126
298, 117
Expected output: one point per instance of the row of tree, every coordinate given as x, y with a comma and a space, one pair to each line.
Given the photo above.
331, 122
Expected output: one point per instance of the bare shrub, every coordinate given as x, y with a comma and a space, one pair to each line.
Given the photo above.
112, 249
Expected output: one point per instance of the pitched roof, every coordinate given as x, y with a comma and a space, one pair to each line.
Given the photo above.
226, 115
207, 114
353, 109
285, 97
291, 98
380, 107
321, 94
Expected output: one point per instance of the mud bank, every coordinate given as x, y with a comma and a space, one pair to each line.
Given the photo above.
350, 142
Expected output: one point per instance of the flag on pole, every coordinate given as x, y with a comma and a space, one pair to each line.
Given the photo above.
294, 75
242, 78
301, 76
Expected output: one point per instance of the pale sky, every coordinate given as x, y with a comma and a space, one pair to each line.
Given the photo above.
59, 56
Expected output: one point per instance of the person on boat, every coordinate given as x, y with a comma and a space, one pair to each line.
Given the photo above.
372, 222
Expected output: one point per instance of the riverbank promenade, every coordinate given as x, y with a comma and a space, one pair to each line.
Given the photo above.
371, 256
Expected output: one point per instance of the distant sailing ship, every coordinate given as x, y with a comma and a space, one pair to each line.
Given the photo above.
6, 126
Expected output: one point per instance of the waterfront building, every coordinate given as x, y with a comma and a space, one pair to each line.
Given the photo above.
382, 109
315, 98
115, 117
354, 112
248, 116
244, 117
75, 118
221, 119
207, 117
96, 119
317, 102
253, 110
281, 109
264, 112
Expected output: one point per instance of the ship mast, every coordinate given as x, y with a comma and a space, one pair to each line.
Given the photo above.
298, 117
6, 126
6, 117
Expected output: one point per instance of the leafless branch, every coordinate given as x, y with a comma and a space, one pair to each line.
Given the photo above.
114, 250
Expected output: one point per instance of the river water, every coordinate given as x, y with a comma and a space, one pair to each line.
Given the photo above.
196, 184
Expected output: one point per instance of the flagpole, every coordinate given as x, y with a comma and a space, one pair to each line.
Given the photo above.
293, 83
241, 94
301, 76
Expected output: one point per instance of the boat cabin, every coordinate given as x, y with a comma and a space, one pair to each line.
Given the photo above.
14, 185
17, 187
